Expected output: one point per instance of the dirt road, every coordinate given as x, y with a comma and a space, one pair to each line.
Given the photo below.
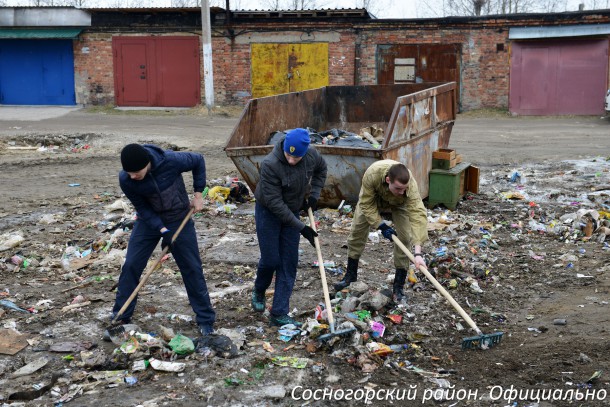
515, 256
30, 177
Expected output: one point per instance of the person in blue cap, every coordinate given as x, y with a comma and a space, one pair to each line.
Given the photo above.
291, 179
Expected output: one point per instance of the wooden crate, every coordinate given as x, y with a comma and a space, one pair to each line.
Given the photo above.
444, 154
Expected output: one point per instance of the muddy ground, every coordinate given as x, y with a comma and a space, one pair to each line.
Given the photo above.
517, 256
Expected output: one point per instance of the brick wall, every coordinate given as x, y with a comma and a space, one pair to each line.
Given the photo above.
231, 71
485, 55
93, 70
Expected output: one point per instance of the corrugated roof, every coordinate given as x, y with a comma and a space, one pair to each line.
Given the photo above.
46, 33
329, 12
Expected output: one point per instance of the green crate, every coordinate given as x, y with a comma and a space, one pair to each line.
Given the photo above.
447, 186
441, 164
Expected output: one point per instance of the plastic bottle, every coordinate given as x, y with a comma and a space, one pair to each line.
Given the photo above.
374, 237
399, 347
180, 317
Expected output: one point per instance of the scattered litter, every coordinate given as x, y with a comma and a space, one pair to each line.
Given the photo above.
11, 305
12, 341
71, 347
30, 367
165, 366
290, 361
10, 240
182, 345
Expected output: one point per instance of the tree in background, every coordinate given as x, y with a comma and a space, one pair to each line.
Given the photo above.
425, 8
442, 8
289, 4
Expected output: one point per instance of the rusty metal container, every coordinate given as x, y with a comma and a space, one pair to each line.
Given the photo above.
417, 119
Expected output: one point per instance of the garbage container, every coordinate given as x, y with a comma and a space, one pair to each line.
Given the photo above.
417, 119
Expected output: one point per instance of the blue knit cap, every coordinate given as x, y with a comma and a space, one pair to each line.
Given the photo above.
296, 142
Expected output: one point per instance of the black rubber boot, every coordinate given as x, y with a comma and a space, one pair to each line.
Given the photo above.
350, 276
399, 282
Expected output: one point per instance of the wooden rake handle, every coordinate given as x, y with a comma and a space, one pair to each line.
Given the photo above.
156, 264
438, 286
329, 311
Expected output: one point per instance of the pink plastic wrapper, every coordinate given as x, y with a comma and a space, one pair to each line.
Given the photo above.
378, 329
17, 260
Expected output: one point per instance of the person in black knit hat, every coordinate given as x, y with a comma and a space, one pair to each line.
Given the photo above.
152, 180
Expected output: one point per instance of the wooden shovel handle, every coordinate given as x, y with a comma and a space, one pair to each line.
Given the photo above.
145, 277
438, 286
329, 311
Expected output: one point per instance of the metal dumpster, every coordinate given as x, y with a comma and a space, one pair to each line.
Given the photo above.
417, 119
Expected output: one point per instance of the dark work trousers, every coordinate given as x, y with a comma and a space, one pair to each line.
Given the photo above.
185, 251
279, 247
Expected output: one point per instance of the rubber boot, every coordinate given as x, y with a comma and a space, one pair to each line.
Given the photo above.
258, 300
350, 276
399, 282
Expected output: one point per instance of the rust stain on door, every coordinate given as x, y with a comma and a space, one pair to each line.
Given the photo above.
283, 68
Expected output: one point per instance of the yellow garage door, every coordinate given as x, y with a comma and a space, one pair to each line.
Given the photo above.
283, 68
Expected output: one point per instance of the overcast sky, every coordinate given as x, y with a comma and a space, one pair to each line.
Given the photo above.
399, 8
388, 8
379, 8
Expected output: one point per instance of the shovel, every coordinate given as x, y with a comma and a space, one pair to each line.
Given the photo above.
482, 340
117, 330
329, 310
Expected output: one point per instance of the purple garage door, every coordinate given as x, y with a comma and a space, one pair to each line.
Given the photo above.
558, 77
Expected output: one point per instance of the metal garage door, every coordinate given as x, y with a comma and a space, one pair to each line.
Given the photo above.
414, 63
556, 77
283, 68
157, 71
36, 72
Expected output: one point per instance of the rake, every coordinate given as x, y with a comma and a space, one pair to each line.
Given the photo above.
481, 341
329, 311
115, 330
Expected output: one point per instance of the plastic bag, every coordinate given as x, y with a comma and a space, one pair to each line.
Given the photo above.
182, 345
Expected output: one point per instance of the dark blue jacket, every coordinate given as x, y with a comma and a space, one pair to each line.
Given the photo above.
161, 196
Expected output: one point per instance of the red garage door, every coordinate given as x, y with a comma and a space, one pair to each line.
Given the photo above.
558, 77
156, 71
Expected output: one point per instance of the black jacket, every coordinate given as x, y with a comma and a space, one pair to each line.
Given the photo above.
283, 187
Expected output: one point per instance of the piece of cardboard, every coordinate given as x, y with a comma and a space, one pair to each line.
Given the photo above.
12, 342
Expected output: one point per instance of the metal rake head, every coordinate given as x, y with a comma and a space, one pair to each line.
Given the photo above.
484, 341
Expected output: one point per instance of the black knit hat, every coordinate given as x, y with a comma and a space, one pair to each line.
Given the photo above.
134, 157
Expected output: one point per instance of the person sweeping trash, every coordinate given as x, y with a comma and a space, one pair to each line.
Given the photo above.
152, 180
387, 185
291, 179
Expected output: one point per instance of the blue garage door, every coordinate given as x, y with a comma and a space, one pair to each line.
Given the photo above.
36, 72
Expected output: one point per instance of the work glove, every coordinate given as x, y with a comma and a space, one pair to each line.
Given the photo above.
308, 233
310, 203
387, 231
167, 240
